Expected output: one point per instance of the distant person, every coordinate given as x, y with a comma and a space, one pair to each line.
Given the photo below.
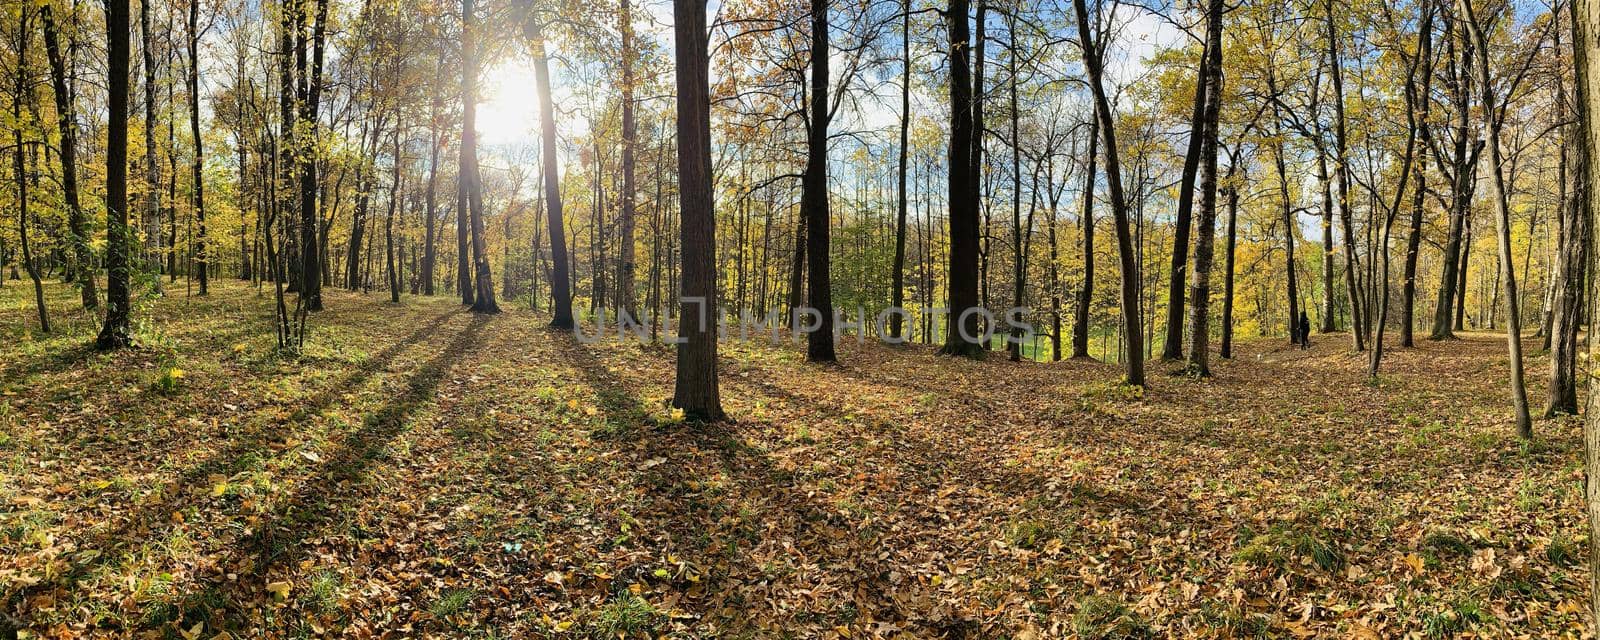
1304, 328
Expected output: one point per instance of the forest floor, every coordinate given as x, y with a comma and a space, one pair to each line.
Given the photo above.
423, 472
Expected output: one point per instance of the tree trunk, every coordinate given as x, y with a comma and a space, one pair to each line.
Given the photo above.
626, 265
898, 271
388, 223
1232, 189
430, 198
1292, 282
1080, 316
1451, 288
1341, 169
1200, 291
962, 336
980, 186
472, 182
1408, 296
597, 234
21, 90
201, 259
1508, 275
1172, 349
1132, 316
310, 258
82, 260
1413, 94
814, 194
1055, 266
1572, 265
1019, 263
287, 30
152, 196
1586, 26
115, 332
560, 281
1329, 311
696, 391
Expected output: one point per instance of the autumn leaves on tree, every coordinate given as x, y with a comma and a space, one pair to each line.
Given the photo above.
307, 144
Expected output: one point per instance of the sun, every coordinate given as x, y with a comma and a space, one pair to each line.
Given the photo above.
508, 111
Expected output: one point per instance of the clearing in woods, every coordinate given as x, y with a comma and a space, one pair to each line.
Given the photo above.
422, 471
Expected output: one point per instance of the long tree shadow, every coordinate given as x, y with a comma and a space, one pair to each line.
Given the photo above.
21, 371
36, 374
941, 463
146, 521
853, 556
281, 538
224, 327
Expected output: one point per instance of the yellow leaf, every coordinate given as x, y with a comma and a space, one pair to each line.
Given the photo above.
1414, 561
279, 590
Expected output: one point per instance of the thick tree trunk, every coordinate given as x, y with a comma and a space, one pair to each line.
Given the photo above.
1341, 170
626, 263
814, 194
1200, 291
464, 265
1451, 290
1408, 296
115, 332
472, 182
1172, 348
560, 281
696, 390
898, 270
1572, 264
1132, 316
311, 267
1586, 28
463, 237
962, 337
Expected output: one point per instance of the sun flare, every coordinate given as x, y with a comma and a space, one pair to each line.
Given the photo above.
508, 113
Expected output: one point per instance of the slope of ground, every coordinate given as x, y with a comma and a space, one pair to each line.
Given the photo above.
422, 472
